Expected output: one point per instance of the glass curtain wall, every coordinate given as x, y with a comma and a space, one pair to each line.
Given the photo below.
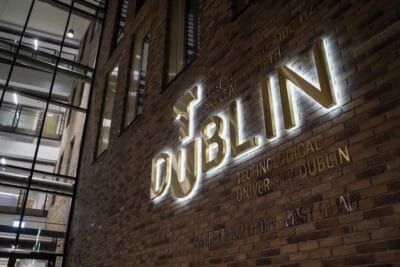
183, 35
48, 52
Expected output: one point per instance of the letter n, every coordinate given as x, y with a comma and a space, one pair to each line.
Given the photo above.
323, 95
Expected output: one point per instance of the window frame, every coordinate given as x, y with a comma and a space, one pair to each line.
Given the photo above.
115, 35
125, 125
100, 118
167, 57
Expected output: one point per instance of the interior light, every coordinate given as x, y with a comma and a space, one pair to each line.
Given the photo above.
36, 44
15, 99
17, 223
70, 33
3, 161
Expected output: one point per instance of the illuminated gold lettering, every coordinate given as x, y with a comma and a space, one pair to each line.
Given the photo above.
238, 148
212, 143
183, 183
321, 163
344, 154
324, 96
182, 110
160, 175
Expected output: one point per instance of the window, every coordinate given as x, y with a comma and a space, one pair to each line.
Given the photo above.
135, 92
108, 103
183, 41
239, 6
120, 22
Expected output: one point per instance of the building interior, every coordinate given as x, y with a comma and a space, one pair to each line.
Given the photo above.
48, 52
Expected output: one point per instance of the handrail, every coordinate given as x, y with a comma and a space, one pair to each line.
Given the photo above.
18, 111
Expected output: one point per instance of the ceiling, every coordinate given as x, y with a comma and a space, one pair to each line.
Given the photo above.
45, 18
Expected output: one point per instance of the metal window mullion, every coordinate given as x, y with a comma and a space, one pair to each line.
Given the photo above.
41, 129
15, 118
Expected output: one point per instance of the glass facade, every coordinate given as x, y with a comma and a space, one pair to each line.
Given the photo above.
48, 50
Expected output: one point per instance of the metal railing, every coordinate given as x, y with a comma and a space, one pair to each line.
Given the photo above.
28, 120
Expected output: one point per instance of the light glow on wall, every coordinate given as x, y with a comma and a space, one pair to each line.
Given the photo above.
191, 113
242, 131
284, 90
278, 117
225, 136
196, 185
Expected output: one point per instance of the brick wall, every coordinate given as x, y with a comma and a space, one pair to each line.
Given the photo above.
347, 215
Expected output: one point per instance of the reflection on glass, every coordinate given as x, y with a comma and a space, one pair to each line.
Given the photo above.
108, 103
183, 35
120, 23
134, 100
